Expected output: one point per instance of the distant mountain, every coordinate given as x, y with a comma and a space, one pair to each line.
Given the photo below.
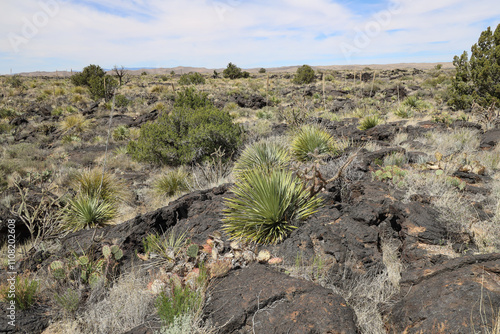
187, 69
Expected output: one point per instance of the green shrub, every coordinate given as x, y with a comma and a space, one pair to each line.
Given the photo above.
25, 295
172, 183
190, 133
102, 87
192, 79
121, 132
312, 140
95, 79
14, 81
89, 72
478, 79
262, 156
5, 127
267, 206
234, 72
369, 122
262, 70
8, 113
190, 98
121, 101
305, 75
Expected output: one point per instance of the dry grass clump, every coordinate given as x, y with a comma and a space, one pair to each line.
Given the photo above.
126, 305
455, 209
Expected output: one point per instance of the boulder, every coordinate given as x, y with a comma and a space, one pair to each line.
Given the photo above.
262, 300
459, 296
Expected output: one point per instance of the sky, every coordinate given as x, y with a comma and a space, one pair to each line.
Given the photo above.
50, 35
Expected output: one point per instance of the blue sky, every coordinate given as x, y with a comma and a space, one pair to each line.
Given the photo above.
49, 35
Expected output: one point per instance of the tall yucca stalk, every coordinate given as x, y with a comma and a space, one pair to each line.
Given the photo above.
267, 206
312, 140
264, 156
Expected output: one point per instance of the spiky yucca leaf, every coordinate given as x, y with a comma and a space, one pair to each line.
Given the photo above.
312, 140
262, 155
369, 122
267, 206
88, 212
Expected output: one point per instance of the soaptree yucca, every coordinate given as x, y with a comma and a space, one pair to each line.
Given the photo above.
264, 156
312, 140
267, 206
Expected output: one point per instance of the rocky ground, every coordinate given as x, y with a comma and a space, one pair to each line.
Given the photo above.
415, 251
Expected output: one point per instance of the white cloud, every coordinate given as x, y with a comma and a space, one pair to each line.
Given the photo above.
211, 33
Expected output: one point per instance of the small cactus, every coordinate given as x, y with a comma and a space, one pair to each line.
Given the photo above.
57, 269
106, 251
83, 260
192, 251
118, 254
56, 265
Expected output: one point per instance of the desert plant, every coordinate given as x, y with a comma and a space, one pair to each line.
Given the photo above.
75, 123
188, 134
262, 70
180, 301
267, 206
99, 184
68, 301
478, 79
192, 79
25, 293
14, 81
369, 122
305, 75
264, 156
121, 132
311, 140
88, 212
167, 245
102, 87
89, 72
172, 183
234, 72
121, 101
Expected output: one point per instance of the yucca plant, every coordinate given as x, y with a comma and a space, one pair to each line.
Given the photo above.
76, 122
404, 111
267, 206
88, 212
369, 122
168, 245
121, 132
172, 183
264, 156
94, 183
311, 140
